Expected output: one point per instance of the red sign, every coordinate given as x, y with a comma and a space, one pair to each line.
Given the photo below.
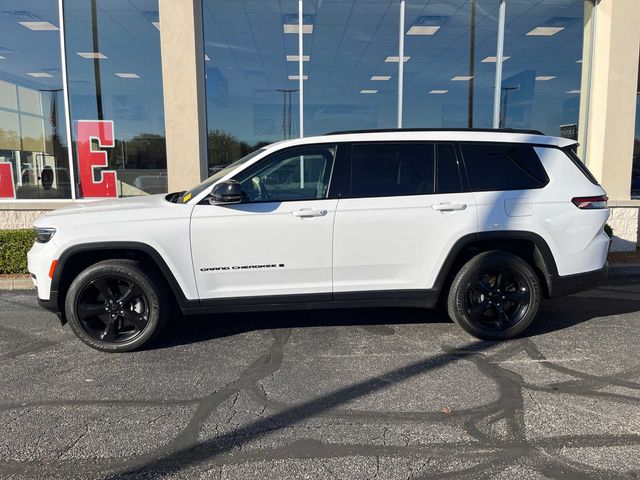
7, 187
89, 159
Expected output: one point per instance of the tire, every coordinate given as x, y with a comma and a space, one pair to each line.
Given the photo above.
494, 296
117, 305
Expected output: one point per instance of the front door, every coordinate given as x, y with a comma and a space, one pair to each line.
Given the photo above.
278, 240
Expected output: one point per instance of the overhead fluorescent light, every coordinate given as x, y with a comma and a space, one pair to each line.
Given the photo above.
494, 59
297, 77
156, 24
127, 75
380, 78
579, 61
544, 78
396, 59
368, 91
92, 55
439, 92
293, 28
545, 31
423, 30
39, 25
40, 74
206, 58
296, 58
2, 58
573, 91
462, 78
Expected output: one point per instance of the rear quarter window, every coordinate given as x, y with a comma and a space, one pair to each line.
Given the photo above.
492, 166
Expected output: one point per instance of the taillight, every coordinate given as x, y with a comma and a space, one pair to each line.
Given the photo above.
590, 203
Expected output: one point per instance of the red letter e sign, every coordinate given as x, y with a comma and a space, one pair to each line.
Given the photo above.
7, 188
89, 159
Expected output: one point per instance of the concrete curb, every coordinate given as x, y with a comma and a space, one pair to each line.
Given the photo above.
19, 282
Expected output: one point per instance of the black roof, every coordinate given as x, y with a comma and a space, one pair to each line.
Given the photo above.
496, 130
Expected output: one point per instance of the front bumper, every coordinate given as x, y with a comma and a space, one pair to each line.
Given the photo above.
560, 285
52, 306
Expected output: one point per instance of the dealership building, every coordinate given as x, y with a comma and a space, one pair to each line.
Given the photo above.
116, 98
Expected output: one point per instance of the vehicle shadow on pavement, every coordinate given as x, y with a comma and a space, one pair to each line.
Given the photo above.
554, 315
186, 452
189, 449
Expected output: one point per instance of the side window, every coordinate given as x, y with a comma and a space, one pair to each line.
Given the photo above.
299, 174
503, 167
447, 171
392, 169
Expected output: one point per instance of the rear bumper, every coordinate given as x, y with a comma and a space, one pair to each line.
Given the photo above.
568, 284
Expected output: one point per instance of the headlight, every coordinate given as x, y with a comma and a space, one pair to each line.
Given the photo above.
43, 235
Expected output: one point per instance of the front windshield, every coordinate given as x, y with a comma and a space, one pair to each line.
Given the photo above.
197, 190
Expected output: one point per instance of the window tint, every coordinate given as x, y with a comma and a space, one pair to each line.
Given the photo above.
300, 174
447, 171
392, 169
503, 167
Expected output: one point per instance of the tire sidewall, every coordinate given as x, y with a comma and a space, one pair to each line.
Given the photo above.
136, 275
468, 273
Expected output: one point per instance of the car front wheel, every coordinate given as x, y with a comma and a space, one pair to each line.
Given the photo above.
494, 296
116, 305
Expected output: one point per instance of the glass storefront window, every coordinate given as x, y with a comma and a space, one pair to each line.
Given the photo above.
541, 82
353, 65
351, 59
251, 73
34, 160
251, 56
116, 97
635, 174
450, 78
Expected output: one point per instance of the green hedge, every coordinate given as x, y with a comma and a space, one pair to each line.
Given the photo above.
14, 245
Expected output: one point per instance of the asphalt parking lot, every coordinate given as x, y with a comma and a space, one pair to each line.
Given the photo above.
388, 393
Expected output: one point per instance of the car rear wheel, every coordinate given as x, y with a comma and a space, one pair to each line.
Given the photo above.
494, 296
116, 305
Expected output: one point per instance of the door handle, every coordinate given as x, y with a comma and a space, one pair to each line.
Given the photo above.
449, 207
309, 212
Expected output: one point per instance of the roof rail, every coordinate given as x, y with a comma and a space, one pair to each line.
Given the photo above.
383, 130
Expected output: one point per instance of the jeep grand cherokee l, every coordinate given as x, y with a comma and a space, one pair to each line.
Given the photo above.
488, 221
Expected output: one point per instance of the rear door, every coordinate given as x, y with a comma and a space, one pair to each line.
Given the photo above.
404, 208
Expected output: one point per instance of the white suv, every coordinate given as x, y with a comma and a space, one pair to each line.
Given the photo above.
489, 221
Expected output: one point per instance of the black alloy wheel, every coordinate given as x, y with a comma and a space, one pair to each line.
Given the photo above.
117, 305
497, 299
494, 296
112, 309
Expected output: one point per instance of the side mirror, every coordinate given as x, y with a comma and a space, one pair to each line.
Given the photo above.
226, 193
